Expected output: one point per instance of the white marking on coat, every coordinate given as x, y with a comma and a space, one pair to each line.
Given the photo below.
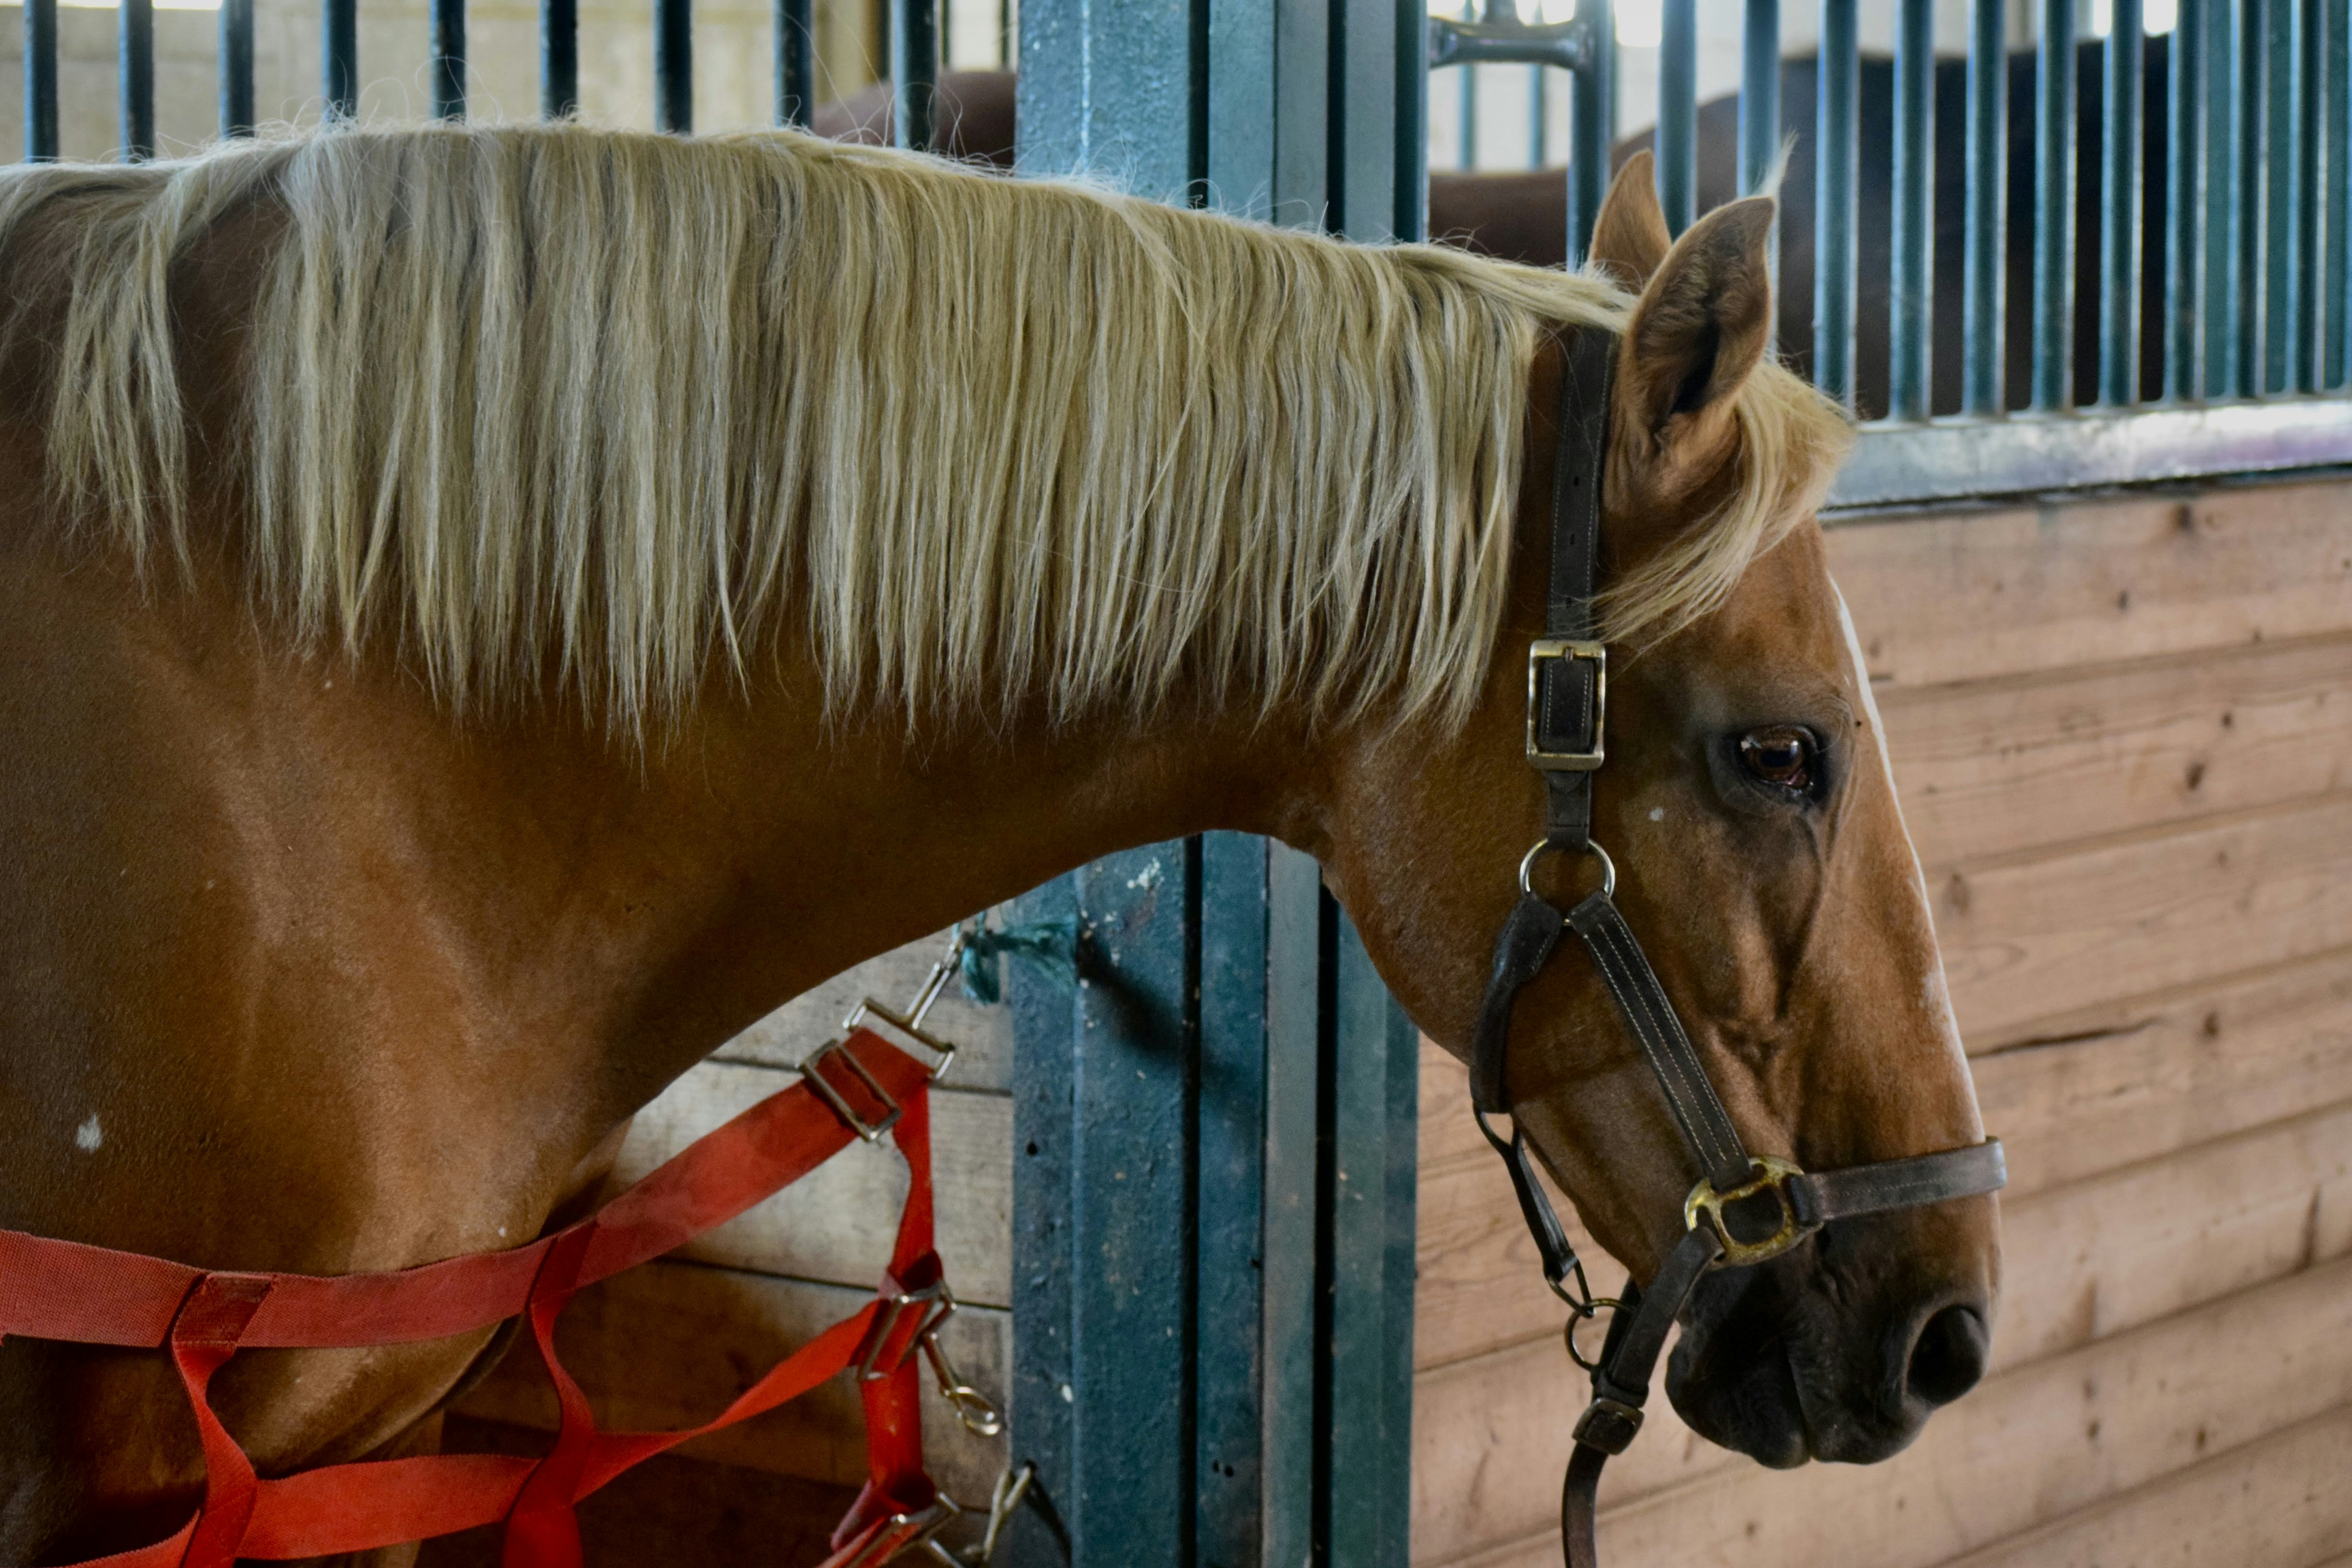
88, 1136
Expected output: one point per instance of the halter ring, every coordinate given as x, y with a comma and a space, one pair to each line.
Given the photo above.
1528, 866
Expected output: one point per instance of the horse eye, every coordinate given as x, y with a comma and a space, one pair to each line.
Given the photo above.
1781, 755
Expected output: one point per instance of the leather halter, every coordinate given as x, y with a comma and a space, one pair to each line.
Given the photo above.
1566, 701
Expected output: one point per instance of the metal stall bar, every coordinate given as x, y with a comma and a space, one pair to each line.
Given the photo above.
1677, 140
1837, 154
559, 59
1984, 270
1592, 122
2184, 201
1466, 109
2246, 221
1213, 1199
2119, 221
236, 111
2335, 136
914, 73
1539, 117
2053, 215
445, 64
1759, 97
1911, 296
796, 62
2283, 315
40, 80
2311, 110
2225, 166
135, 75
338, 57
673, 66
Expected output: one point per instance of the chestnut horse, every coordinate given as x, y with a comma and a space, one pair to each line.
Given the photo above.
492, 613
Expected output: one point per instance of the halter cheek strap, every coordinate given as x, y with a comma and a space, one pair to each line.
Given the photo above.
1568, 676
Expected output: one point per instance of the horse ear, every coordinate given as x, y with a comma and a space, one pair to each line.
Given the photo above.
1629, 237
1702, 324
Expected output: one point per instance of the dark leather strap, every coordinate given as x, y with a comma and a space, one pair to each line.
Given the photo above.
1641, 1001
1824, 1197
1568, 717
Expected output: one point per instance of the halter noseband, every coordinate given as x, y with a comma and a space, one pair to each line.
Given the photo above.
1566, 700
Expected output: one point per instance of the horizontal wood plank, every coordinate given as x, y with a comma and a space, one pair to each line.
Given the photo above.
2164, 1077
2034, 1445
1990, 768
2084, 1262
2283, 1502
982, 1035
2024, 939
1972, 595
668, 1345
837, 1223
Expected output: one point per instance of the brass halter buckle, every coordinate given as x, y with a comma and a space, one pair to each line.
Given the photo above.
1772, 1175
1564, 653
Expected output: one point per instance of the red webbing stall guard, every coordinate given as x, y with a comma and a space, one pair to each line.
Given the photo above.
89, 1295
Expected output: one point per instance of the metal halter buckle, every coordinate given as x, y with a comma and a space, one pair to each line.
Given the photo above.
1772, 1175
904, 1533
812, 1073
1564, 652
937, 1304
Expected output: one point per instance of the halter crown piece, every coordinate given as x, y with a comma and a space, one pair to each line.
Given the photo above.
1568, 672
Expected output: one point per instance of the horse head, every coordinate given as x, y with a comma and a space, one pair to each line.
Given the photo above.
1749, 806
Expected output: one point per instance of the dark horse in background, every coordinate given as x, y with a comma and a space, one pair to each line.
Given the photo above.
1522, 216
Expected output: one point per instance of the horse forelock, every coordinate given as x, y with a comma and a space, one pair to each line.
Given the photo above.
634, 408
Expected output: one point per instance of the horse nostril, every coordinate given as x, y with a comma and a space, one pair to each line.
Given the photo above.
1948, 1357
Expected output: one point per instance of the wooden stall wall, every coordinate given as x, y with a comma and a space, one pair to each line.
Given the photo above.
2123, 732
671, 1344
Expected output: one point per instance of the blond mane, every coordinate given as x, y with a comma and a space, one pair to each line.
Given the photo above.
636, 404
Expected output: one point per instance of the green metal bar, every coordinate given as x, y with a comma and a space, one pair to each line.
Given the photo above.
795, 26
1677, 139
2053, 214
2282, 193
2336, 289
2247, 231
673, 66
2225, 163
1539, 117
1985, 264
338, 57
1593, 125
914, 73
2119, 224
2184, 202
445, 61
1837, 154
135, 61
236, 116
1759, 95
2307, 309
40, 80
559, 59
1911, 295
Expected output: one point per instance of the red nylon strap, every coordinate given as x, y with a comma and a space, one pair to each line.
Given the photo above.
70, 1291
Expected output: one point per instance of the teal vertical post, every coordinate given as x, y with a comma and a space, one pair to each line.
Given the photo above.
2119, 221
1911, 299
1591, 126
1837, 160
2054, 210
1678, 113
1984, 270
2184, 195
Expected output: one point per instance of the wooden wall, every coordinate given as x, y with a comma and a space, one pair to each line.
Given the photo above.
2123, 732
